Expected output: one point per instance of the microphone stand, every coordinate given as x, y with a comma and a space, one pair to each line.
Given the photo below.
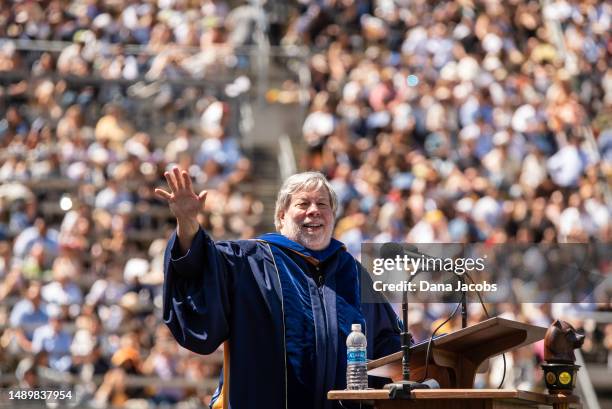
464, 295
463, 304
406, 340
402, 389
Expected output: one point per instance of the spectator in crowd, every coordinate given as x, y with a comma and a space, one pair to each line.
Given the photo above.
125, 361
163, 363
62, 290
38, 233
27, 315
53, 342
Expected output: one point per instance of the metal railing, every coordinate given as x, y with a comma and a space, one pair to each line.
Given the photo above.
286, 158
261, 63
251, 59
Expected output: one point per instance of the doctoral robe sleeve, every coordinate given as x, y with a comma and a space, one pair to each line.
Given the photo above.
197, 291
384, 329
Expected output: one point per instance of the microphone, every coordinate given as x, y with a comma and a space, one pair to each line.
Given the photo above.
392, 250
413, 250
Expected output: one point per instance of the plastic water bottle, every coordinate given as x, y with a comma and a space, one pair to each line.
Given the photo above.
356, 365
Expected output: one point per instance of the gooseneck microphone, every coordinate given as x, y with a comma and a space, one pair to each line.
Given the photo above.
392, 250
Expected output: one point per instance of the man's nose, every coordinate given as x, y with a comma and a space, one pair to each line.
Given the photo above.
313, 209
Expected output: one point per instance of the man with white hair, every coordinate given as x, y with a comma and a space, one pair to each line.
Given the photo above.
285, 301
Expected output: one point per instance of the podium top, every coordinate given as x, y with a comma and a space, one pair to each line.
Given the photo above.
451, 394
477, 342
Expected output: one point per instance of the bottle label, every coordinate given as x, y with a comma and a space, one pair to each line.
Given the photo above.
356, 357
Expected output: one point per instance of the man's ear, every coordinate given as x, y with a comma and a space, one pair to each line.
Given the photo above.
281, 217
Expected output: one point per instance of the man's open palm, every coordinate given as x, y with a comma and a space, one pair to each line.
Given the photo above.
184, 202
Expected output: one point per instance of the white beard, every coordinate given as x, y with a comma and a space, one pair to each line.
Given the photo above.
299, 234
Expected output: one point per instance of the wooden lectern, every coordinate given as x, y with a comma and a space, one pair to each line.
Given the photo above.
459, 398
455, 358
454, 361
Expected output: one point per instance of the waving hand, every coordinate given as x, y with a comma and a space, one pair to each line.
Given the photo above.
184, 204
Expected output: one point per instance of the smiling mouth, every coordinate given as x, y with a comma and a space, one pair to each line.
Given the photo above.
312, 225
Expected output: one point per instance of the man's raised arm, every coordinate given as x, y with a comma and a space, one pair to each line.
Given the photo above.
197, 275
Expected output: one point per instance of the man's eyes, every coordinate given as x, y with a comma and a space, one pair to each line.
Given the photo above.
306, 204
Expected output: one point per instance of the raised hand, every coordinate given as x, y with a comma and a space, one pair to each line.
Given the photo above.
184, 204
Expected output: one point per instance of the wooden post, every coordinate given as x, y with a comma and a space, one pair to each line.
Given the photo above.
226, 371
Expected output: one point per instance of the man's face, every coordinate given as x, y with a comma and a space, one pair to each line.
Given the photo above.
309, 219
56, 324
33, 294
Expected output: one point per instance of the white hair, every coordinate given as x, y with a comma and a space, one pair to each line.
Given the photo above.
302, 182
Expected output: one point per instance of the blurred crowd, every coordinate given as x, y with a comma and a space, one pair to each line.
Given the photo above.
454, 121
458, 121
81, 233
468, 121
174, 39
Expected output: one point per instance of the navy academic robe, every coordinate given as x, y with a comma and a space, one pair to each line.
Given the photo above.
287, 333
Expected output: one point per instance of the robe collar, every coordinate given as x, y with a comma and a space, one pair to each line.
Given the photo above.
314, 256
